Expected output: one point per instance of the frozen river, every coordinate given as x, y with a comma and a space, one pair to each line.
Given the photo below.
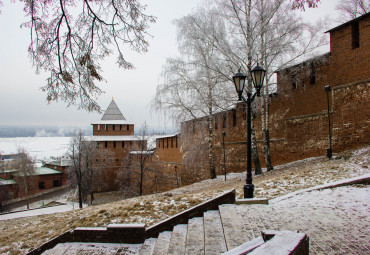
38, 147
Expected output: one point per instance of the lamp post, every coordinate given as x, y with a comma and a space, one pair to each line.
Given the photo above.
223, 147
328, 151
258, 75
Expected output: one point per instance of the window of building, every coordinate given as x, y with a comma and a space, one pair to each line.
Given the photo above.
120, 127
114, 127
130, 143
167, 142
98, 127
117, 159
176, 141
163, 143
97, 144
56, 183
123, 144
114, 144
128, 127
216, 122
193, 127
224, 121
41, 185
105, 144
355, 35
106, 127
313, 74
294, 81
234, 117
171, 142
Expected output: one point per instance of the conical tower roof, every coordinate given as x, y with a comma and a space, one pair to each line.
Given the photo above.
113, 112
112, 115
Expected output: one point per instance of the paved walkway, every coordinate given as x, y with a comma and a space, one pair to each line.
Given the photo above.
336, 220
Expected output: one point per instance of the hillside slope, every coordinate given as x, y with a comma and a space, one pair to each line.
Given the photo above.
18, 236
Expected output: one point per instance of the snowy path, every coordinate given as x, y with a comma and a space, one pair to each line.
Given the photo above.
49, 210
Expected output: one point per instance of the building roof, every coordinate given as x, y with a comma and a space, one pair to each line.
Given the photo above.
7, 182
41, 171
141, 152
113, 112
349, 22
113, 115
166, 136
57, 162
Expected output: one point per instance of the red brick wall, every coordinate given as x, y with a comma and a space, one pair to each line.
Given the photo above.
113, 129
298, 116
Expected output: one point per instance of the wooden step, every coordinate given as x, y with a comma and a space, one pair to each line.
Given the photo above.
148, 247
162, 244
178, 240
232, 222
195, 237
214, 238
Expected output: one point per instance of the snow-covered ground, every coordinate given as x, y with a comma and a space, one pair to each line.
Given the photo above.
38, 147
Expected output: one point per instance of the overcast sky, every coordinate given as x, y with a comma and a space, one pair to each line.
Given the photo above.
22, 103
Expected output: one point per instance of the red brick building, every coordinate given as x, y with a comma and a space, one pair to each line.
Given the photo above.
44, 178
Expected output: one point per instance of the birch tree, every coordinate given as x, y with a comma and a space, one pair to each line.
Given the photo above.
191, 88
271, 32
69, 39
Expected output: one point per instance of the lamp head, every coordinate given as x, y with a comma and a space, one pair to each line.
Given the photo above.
258, 75
239, 82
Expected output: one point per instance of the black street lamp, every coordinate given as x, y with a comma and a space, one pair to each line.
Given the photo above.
329, 152
258, 75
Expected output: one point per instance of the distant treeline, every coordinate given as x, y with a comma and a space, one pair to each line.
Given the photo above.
27, 131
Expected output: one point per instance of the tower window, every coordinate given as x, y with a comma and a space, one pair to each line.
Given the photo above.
114, 144
355, 35
114, 127
216, 122
123, 144
105, 144
120, 127
224, 121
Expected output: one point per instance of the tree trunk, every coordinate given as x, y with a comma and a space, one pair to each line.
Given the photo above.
256, 158
265, 100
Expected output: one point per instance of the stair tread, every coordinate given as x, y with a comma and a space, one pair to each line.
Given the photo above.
178, 240
232, 222
162, 244
214, 238
195, 237
148, 246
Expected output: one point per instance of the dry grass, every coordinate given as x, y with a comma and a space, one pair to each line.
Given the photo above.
18, 236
